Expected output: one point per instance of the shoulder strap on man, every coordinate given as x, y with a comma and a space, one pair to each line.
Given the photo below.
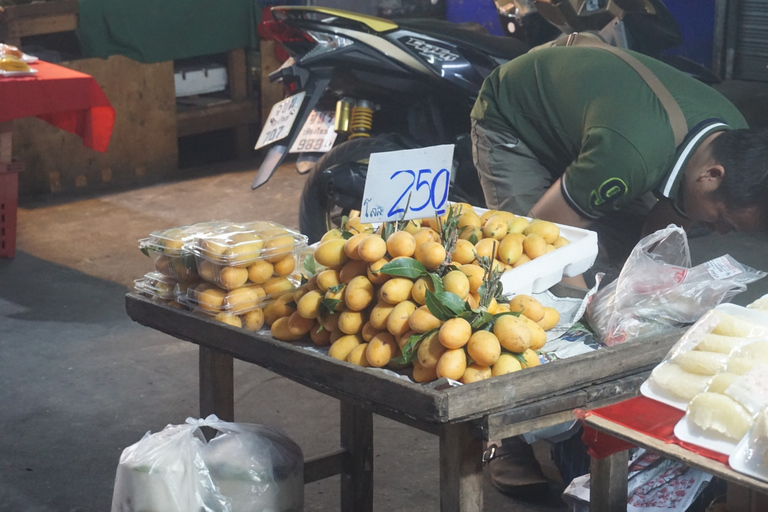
674, 112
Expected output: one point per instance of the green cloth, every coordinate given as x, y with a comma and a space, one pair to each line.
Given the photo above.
160, 30
588, 116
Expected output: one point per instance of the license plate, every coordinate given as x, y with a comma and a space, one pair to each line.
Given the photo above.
317, 134
280, 120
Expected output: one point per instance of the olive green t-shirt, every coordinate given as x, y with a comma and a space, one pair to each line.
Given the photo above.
589, 117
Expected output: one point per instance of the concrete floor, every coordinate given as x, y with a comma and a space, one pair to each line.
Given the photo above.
79, 381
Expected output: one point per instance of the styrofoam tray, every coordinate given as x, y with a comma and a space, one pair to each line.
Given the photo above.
737, 461
691, 433
648, 390
541, 274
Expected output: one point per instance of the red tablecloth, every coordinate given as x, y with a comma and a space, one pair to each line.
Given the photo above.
63, 97
643, 415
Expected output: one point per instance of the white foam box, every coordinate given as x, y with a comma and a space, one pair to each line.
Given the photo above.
541, 274
209, 78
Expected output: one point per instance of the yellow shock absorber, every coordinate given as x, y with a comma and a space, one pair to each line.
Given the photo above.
362, 120
343, 115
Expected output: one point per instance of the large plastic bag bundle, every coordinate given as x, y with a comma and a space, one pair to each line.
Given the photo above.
245, 467
657, 289
256, 467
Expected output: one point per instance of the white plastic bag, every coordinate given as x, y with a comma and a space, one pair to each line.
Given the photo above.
657, 289
245, 467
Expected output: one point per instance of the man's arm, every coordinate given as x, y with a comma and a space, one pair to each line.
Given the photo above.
553, 207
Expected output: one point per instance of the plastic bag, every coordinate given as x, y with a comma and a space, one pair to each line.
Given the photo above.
657, 290
245, 467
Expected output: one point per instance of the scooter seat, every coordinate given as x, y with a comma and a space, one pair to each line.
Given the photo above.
467, 34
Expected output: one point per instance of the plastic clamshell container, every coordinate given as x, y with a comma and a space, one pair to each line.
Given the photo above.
172, 241
157, 285
540, 274
213, 300
240, 245
169, 250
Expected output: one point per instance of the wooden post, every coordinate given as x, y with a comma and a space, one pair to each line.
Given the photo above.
357, 476
608, 482
216, 384
271, 92
9, 192
461, 469
238, 72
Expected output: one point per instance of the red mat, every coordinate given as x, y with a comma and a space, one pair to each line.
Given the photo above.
643, 415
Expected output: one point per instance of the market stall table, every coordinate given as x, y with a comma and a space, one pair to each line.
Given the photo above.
65, 98
463, 416
640, 421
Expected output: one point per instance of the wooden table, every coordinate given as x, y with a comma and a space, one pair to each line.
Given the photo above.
608, 482
462, 417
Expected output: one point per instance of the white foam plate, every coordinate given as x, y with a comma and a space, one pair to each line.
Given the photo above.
649, 390
541, 274
691, 433
738, 458
29, 59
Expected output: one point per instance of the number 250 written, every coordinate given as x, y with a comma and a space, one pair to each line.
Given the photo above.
411, 178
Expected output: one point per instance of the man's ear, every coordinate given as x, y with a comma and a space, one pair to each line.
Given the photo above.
711, 175
712, 172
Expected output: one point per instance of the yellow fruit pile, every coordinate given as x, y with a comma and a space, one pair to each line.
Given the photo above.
426, 308
511, 240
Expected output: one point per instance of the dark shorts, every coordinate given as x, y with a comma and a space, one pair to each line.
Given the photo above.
512, 178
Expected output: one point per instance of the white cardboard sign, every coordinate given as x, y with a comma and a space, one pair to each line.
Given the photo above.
407, 184
317, 134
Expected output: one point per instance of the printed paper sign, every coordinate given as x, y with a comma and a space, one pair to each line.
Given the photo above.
408, 184
280, 120
317, 134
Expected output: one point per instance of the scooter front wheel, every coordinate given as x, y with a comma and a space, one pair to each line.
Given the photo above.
335, 185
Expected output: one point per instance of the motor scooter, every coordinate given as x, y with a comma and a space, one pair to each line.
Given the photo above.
358, 84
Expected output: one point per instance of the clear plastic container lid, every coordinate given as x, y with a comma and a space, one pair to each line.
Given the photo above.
157, 285
241, 244
173, 241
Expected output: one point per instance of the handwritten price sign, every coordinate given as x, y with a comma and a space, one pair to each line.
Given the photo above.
408, 184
